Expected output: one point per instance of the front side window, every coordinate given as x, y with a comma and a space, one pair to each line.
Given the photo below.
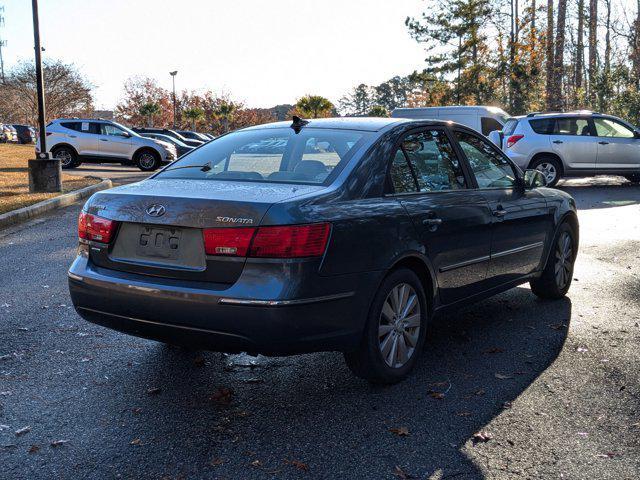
572, 126
312, 156
611, 128
430, 164
490, 169
112, 130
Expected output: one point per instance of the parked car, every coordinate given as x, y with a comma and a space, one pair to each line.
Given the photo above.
8, 134
355, 248
181, 147
26, 134
171, 133
75, 140
194, 135
573, 144
482, 119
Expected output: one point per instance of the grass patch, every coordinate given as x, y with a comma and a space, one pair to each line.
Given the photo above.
14, 179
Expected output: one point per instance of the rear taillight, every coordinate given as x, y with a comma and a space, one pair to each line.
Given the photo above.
513, 139
294, 241
228, 241
97, 229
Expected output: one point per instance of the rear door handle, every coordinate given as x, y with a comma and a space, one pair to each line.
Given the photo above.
73, 136
104, 140
499, 212
558, 141
603, 143
432, 221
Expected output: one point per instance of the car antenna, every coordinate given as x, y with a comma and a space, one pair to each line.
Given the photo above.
298, 123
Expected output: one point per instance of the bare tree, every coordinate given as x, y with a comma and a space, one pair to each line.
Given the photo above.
580, 45
67, 92
593, 49
557, 99
550, 52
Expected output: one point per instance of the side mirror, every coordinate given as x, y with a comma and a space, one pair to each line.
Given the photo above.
126, 134
534, 179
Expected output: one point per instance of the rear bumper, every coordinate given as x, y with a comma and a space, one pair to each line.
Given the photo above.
219, 318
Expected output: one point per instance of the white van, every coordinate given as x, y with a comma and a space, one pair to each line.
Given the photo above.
482, 119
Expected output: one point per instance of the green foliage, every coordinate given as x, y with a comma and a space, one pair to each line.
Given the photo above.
314, 106
378, 111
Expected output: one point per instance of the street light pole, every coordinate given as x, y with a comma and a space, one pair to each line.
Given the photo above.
45, 174
173, 78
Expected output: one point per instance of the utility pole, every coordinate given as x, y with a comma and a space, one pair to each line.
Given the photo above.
3, 43
45, 174
173, 78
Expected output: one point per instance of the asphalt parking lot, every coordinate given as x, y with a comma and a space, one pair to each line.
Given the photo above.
513, 387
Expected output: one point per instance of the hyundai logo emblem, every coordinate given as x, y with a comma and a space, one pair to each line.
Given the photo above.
156, 210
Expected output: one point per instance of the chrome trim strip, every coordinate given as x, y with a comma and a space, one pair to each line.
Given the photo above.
517, 250
466, 263
504, 253
283, 303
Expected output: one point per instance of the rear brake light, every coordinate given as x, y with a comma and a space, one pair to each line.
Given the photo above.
295, 241
98, 229
228, 241
513, 139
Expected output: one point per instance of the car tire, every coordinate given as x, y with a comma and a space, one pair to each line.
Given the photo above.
147, 160
67, 155
397, 323
550, 168
556, 277
633, 178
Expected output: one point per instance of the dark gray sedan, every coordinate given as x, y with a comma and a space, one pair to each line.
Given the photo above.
350, 236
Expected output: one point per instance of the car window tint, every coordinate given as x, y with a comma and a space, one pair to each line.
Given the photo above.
542, 126
263, 157
321, 150
401, 175
572, 126
610, 128
71, 125
433, 161
488, 125
490, 169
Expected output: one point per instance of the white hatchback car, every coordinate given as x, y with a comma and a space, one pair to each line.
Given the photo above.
75, 140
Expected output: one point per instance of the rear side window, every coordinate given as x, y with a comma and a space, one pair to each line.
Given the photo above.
572, 126
510, 127
542, 126
71, 125
430, 160
488, 125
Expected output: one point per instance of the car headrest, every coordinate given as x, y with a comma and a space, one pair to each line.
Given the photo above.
312, 169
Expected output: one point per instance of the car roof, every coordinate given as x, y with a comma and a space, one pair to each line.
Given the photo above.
370, 124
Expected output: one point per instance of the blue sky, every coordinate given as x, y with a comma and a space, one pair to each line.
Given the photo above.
262, 52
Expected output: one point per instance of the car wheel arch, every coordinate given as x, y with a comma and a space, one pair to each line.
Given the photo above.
63, 145
420, 265
146, 148
540, 155
571, 218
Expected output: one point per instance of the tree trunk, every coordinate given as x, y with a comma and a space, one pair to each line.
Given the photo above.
593, 32
580, 45
607, 40
557, 97
550, 58
634, 40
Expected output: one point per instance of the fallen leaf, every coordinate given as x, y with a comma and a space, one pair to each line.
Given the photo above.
222, 395
464, 414
480, 392
500, 376
506, 405
135, 441
216, 461
256, 463
481, 437
559, 326
58, 443
299, 465
608, 455
401, 431
582, 349
436, 395
154, 390
22, 431
494, 350
400, 473
136, 410
34, 449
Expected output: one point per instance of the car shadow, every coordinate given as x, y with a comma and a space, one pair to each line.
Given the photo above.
246, 417
601, 192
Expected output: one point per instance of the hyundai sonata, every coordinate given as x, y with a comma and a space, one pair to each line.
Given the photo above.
342, 235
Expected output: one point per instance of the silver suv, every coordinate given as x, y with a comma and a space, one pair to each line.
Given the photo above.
573, 144
75, 140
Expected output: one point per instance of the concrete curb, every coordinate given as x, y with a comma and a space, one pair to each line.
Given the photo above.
32, 211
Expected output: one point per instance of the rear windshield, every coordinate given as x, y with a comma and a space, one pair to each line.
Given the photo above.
278, 155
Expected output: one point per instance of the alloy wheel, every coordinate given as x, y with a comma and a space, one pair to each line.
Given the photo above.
147, 160
548, 170
64, 156
564, 259
399, 325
